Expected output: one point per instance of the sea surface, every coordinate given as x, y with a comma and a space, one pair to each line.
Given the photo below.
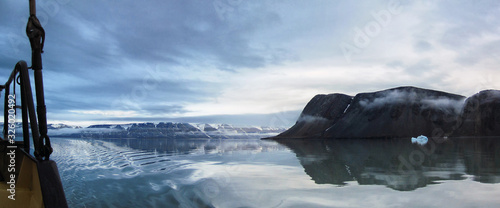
255, 173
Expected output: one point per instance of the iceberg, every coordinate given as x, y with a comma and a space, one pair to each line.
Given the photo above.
421, 140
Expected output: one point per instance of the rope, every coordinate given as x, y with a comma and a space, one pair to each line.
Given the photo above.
35, 30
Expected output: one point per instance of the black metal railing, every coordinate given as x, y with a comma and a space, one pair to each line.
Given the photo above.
41, 142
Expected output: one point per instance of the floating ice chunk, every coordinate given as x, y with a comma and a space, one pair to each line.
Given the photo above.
420, 140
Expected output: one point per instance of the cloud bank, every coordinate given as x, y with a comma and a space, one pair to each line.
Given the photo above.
172, 59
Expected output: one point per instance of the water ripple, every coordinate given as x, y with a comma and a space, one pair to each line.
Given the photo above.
139, 173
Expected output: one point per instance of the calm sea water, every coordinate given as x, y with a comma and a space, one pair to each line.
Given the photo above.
255, 173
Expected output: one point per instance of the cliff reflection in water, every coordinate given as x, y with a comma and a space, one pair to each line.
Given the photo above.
397, 163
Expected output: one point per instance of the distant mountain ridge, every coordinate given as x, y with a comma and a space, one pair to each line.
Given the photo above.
398, 112
161, 130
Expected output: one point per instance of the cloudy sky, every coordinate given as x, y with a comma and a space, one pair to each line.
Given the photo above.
203, 60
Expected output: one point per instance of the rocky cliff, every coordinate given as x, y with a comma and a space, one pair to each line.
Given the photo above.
320, 113
399, 112
481, 115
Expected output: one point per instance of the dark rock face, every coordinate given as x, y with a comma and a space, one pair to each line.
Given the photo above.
399, 112
481, 115
320, 113
99, 126
209, 128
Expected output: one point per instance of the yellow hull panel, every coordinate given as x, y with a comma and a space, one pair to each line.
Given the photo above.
28, 192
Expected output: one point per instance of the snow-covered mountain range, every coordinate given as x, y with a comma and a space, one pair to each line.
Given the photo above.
160, 130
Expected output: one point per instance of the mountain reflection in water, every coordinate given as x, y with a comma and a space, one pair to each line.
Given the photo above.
397, 163
258, 173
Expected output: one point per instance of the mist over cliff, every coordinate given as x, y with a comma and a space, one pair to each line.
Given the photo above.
399, 112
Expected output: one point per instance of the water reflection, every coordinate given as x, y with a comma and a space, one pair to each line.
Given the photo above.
194, 146
256, 173
156, 172
397, 163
